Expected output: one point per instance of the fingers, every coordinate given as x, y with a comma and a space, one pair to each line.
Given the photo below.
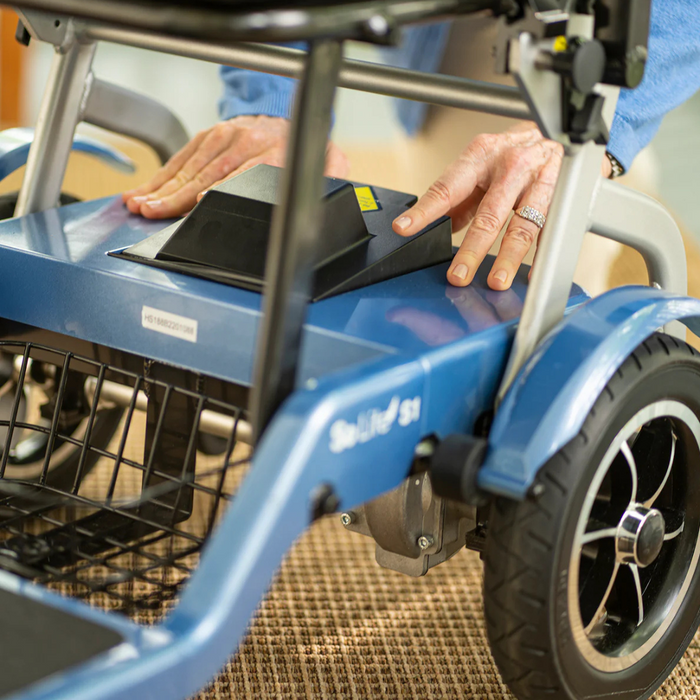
212, 156
211, 147
464, 214
453, 187
521, 233
517, 168
164, 174
218, 154
473, 168
187, 196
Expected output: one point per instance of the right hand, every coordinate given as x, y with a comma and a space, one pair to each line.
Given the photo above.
214, 155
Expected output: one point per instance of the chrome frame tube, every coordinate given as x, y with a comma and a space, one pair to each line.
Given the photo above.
61, 111
296, 228
557, 254
369, 20
122, 111
636, 220
443, 90
210, 422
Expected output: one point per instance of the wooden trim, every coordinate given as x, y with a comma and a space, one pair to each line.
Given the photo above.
12, 57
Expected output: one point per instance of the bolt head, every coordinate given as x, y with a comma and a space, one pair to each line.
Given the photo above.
425, 541
378, 26
537, 490
347, 519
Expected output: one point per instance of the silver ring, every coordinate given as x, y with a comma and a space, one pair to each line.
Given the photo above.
531, 214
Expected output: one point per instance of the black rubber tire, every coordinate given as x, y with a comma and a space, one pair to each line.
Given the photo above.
529, 545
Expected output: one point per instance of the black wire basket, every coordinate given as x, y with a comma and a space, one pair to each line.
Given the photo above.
111, 481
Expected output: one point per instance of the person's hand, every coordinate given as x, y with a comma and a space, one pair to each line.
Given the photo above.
214, 155
495, 174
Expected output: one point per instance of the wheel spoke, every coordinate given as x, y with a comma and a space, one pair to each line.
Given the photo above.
616, 492
598, 534
596, 577
675, 523
594, 617
654, 450
626, 601
638, 589
632, 464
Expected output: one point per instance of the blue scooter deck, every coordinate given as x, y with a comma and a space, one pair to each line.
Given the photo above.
57, 276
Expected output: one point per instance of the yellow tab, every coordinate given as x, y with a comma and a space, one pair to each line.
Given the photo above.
561, 44
367, 200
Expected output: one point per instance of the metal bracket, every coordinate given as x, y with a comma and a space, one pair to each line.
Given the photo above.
58, 30
414, 528
542, 89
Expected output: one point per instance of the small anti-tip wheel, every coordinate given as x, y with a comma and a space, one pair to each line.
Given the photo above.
592, 589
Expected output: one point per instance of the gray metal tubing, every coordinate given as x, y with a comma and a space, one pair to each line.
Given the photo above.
296, 228
60, 113
210, 422
368, 20
442, 90
557, 254
125, 112
636, 220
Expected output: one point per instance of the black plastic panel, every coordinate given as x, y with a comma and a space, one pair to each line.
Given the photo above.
38, 641
232, 250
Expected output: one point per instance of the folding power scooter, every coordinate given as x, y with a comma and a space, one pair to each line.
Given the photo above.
252, 344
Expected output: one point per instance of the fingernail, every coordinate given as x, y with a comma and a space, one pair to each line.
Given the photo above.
140, 198
461, 271
501, 276
154, 204
403, 223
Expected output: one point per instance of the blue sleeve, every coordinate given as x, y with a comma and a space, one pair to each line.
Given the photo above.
672, 76
251, 93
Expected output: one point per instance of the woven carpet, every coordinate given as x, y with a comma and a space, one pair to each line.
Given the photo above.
335, 625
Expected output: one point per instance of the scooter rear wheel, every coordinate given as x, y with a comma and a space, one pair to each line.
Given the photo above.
593, 588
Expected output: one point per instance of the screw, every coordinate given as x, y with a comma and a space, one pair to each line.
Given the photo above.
347, 519
537, 490
425, 541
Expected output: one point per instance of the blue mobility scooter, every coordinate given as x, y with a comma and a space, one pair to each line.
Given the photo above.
288, 357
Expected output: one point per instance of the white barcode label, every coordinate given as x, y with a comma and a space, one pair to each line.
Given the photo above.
170, 324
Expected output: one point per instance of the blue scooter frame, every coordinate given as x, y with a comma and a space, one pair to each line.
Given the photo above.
379, 372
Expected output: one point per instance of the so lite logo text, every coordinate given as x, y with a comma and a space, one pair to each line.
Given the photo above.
373, 423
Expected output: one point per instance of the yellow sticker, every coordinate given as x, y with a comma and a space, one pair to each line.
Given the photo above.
367, 200
561, 44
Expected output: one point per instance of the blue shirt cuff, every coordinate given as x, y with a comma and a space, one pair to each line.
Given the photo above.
275, 104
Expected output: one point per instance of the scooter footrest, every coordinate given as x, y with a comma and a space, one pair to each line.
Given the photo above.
39, 641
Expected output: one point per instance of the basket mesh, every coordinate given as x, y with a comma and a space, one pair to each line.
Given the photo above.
106, 503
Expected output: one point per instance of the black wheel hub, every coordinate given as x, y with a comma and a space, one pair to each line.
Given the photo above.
640, 536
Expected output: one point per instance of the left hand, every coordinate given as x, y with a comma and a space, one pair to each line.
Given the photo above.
495, 174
